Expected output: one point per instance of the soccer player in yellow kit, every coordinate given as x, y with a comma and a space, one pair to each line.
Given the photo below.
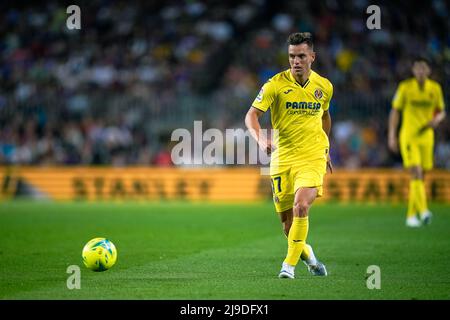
421, 103
299, 99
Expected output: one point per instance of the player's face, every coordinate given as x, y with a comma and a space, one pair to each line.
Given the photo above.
301, 57
421, 70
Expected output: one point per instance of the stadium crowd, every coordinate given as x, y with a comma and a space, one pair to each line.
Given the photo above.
65, 94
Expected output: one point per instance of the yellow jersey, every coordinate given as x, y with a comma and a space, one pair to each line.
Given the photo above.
296, 115
417, 106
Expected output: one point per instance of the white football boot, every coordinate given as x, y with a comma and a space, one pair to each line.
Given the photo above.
426, 217
287, 271
413, 222
315, 267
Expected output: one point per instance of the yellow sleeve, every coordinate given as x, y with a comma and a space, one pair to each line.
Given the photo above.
266, 97
326, 105
398, 101
440, 98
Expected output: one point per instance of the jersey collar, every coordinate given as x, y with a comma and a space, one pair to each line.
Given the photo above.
291, 77
424, 83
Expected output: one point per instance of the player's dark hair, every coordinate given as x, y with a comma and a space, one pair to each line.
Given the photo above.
421, 59
299, 38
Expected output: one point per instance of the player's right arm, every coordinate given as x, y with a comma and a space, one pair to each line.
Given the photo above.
253, 125
261, 104
394, 118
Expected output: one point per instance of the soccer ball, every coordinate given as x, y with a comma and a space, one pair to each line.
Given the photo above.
99, 254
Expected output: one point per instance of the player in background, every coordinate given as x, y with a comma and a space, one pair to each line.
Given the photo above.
421, 104
299, 99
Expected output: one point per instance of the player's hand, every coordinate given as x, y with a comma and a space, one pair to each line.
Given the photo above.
430, 125
329, 164
266, 146
393, 144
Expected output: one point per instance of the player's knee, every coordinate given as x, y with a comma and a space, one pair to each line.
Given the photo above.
301, 208
416, 172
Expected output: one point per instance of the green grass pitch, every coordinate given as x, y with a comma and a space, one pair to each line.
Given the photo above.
212, 251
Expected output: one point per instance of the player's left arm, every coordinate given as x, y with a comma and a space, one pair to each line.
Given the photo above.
440, 107
326, 125
438, 117
440, 114
326, 122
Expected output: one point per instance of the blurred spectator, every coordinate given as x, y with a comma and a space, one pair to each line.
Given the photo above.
163, 158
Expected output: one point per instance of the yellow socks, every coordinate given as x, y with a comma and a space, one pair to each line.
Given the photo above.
417, 201
421, 196
412, 208
296, 240
305, 255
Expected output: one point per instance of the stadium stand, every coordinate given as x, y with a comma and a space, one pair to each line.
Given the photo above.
112, 92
